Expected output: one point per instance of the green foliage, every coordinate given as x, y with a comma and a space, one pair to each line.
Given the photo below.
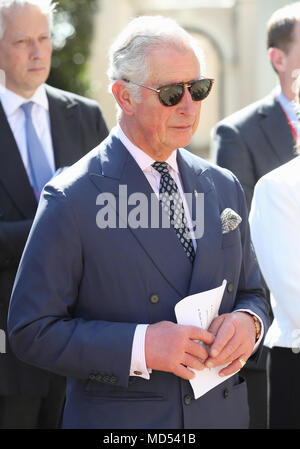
72, 36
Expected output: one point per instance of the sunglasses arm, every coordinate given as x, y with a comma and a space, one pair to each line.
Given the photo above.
141, 85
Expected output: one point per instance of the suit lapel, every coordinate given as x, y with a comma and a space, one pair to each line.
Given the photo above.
66, 137
161, 245
13, 175
200, 183
275, 126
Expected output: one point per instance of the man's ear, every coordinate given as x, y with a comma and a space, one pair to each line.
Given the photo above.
123, 97
278, 59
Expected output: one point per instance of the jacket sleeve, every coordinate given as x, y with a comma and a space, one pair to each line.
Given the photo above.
232, 152
44, 329
250, 292
13, 236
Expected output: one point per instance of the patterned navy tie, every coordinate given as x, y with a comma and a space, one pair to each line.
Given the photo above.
39, 166
171, 201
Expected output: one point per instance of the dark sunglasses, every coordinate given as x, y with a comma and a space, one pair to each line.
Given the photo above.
172, 94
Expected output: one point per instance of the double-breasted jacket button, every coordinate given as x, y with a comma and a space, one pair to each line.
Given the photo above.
187, 399
113, 379
106, 379
230, 287
154, 299
226, 393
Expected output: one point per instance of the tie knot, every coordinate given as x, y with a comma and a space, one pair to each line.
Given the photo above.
161, 167
27, 107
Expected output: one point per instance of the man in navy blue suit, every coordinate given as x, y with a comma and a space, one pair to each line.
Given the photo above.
101, 274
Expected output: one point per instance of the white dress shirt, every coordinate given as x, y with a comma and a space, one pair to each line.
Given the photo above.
138, 363
275, 225
11, 103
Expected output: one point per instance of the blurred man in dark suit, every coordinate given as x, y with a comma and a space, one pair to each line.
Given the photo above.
260, 138
42, 129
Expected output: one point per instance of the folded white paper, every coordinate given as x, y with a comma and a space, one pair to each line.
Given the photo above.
199, 310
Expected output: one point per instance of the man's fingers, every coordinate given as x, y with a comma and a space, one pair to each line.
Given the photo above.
172, 347
232, 356
215, 324
192, 362
197, 350
230, 352
224, 334
196, 333
218, 361
234, 366
184, 372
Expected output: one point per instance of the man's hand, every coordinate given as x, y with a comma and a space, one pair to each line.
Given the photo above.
234, 339
175, 348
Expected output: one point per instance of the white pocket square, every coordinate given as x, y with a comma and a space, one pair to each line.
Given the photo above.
229, 220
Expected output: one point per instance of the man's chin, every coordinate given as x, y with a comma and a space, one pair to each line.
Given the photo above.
30, 88
183, 142
183, 136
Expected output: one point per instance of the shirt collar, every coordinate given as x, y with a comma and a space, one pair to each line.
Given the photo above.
12, 101
283, 100
143, 159
291, 109
288, 105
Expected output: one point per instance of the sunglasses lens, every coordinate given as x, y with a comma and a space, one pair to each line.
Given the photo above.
200, 89
171, 95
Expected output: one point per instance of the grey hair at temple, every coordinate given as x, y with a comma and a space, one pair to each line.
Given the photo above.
128, 55
47, 7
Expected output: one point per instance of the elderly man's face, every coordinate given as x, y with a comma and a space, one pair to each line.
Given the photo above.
158, 129
25, 49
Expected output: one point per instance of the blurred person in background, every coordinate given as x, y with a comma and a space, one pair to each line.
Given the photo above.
260, 138
42, 129
275, 223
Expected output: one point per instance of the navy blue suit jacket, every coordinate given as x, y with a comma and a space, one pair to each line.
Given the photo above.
77, 126
80, 292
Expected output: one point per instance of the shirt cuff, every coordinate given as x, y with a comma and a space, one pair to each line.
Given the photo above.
138, 363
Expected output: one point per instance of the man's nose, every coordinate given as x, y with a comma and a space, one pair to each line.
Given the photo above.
187, 104
35, 49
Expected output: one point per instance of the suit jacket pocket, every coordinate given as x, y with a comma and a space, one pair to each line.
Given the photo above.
95, 390
231, 238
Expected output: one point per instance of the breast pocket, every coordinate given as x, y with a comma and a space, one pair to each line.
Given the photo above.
231, 238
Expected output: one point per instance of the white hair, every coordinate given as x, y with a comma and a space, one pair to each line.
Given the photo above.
47, 7
129, 53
